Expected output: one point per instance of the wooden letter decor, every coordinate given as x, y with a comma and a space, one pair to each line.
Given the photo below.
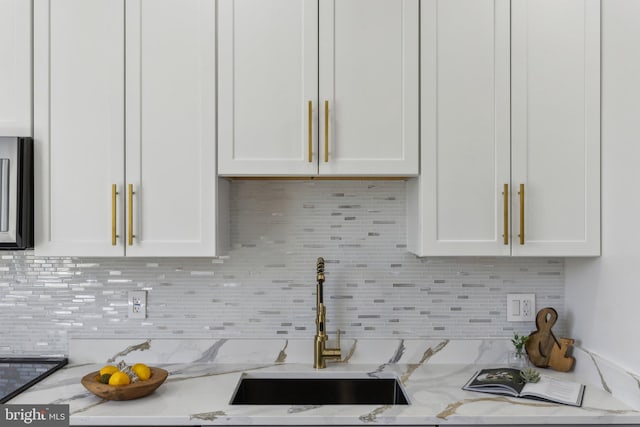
544, 349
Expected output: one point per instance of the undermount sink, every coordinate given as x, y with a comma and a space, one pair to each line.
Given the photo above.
318, 390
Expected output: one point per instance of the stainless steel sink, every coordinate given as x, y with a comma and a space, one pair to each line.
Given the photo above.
318, 390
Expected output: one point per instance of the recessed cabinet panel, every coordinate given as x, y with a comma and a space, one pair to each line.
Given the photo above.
170, 99
465, 129
369, 84
556, 126
79, 126
15, 68
545, 89
267, 75
125, 168
315, 87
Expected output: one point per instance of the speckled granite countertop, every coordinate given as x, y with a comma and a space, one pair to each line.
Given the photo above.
204, 374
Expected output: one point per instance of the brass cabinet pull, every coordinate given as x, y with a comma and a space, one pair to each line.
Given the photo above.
310, 130
521, 193
114, 193
130, 234
326, 130
505, 198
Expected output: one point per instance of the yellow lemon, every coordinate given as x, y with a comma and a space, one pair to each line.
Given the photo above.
109, 369
119, 378
142, 371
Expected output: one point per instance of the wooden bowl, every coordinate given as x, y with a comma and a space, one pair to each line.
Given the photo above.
124, 392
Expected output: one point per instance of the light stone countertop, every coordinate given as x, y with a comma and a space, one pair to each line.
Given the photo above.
203, 376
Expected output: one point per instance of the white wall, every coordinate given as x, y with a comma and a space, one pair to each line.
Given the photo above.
603, 294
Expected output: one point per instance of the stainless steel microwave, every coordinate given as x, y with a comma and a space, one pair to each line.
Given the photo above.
16, 193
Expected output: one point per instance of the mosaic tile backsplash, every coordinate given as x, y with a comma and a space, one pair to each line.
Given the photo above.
265, 286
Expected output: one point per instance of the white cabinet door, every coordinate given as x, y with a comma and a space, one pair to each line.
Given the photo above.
267, 76
456, 207
556, 126
170, 127
15, 68
78, 126
369, 87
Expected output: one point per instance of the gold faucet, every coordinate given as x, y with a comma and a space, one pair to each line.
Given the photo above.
320, 352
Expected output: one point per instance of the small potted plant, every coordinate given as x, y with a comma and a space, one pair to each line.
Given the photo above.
518, 358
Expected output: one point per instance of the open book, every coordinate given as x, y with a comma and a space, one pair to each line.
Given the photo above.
507, 381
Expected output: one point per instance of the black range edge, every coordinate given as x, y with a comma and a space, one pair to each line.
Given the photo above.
55, 362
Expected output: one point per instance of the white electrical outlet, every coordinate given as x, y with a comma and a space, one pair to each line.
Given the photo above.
137, 304
521, 307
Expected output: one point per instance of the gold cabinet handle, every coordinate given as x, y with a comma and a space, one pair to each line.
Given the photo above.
130, 234
114, 193
326, 130
505, 198
310, 130
521, 193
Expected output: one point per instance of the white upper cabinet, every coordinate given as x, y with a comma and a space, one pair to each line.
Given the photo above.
170, 126
267, 87
556, 126
272, 119
509, 100
457, 201
78, 126
369, 87
97, 137
15, 68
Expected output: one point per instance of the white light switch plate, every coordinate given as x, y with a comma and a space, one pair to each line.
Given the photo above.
137, 302
521, 307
